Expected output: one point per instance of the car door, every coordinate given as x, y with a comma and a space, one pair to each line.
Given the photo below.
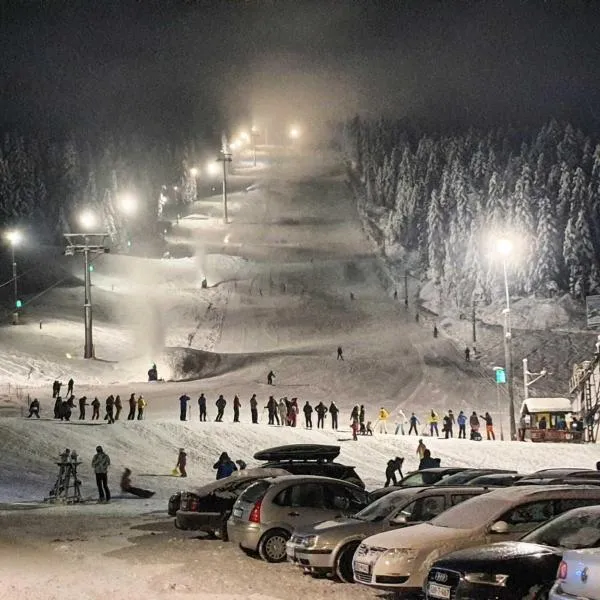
419, 510
302, 504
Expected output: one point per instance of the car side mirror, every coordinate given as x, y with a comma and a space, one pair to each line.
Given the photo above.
398, 520
499, 527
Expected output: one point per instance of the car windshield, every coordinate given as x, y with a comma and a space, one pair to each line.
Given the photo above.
459, 478
472, 513
575, 529
380, 509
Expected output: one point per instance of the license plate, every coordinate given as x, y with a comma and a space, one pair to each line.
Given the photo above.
435, 590
237, 512
362, 568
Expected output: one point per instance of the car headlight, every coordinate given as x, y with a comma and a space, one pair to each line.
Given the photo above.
404, 553
310, 541
487, 578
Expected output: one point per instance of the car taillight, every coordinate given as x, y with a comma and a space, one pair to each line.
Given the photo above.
563, 570
255, 513
193, 504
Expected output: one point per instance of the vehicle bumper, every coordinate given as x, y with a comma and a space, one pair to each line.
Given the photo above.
185, 519
467, 591
243, 533
395, 577
557, 593
314, 558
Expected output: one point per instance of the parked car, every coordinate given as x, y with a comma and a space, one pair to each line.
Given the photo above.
554, 473
514, 570
328, 547
266, 513
309, 459
208, 507
495, 480
468, 475
578, 576
400, 559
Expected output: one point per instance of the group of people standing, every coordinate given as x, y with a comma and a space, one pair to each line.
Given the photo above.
449, 421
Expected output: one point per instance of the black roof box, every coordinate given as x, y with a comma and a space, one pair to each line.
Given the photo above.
322, 452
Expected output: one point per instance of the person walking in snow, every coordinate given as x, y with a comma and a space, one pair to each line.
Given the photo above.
221, 403
308, 411
270, 377
183, 406
321, 411
467, 354
340, 354
132, 407
433, 423
401, 421
181, 462
489, 426
141, 407
202, 407
393, 465
34, 409
224, 466
382, 418
282, 410
272, 410
56, 388
236, 409
254, 409
414, 421
95, 409
474, 426
100, 464
421, 449
333, 411
292, 413
109, 404
70, 385
462, 425
118, 407
82, 404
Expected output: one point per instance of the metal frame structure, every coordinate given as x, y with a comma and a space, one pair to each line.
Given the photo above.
585, 382
86, 244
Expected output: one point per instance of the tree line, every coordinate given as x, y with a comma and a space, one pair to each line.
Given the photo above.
444, 199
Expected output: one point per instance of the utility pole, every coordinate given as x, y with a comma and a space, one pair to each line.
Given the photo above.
86, 244
225, 158
406, 288
527, 374
254, 134
473, 322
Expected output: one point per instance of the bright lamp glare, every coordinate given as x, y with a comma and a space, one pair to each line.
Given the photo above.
244, 136
294, 133
504, 247
87, 219
128, 204
14, 237
234, 145
212, 168
194, 172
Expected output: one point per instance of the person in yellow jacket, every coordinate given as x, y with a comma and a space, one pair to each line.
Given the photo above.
382, 420
141, 404
433, 423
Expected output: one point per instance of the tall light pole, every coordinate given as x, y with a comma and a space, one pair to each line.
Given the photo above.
254, 134
504, 248
527, 374
225, 158
14, 237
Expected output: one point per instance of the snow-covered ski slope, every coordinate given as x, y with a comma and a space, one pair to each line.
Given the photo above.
280, 278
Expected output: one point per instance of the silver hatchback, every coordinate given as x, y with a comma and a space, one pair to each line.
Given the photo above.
267, 512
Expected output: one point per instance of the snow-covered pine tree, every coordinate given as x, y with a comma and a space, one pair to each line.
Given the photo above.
435, 238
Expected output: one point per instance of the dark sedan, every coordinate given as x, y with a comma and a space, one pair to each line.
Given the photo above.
514, 570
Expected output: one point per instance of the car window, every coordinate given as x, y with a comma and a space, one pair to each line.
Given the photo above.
458, 498
305, 495
416, 479
423, 509
255, 492
351, 500
565, 504
576, 529
524, 516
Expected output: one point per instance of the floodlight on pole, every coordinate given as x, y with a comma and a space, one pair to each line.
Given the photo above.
87, 219
294, 132
194, 172
14, 238
128, 204
212, 169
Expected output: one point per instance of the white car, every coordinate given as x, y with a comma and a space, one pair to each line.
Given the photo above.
400, 559
578, 576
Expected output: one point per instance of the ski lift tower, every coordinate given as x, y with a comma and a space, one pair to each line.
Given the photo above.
87, 244
585, 383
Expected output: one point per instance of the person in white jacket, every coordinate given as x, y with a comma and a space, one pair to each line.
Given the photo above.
401, 421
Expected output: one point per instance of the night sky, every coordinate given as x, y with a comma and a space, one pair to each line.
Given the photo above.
172, 65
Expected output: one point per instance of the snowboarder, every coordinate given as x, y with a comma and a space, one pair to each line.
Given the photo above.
401, 421
393, 465
435, 331
474, 425
95, 409
132, 407
421, 449
57, 404
128, 488
282, 410
292, 413
427, 462
34, 408
307, 410
333, 411
272, 410
100, 464
414, 421
181, 462
141, 406
321, 411
82, 404
467, 354
70, 385
270, 376
224, 466
462, 425
447, 427
202, 407
118, 407
110, 403
489, 426
236, 409
382, 420
254, 409
340, 354
183, 406
433, 423
221, 403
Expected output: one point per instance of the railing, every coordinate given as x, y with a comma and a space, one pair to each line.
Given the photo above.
555, 435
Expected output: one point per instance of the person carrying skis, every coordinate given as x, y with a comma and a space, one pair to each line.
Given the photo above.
82, 404
181, 462
321, 411
100, 464
270, 377
132, 407
462, 425
293, 412
129, 489
433, 423
202, 407
489, 426
110, 403
474, 425
414, 421
224, 466
382, 420
308, 410
393, 465
141, 406
421, 449
221, 403
333, 411
34, 408
118, 407
282, 410
254, 409
183, 406
236, 409
95, 409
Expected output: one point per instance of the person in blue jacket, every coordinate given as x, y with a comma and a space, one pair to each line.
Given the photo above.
224, 466
462, 425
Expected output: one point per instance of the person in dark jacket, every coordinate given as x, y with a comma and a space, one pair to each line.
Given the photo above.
414, 421
354, 414
340, 353
202, 407
224, 466
181, 462
82, 405
543, 424
110, 403
321, 411
474, 425
448, 427
95, 409
55, 389
118, 407
292, 414
270, 377
128, 488
272, 410
183, 406
393, 465
132, 407
65, 410
307, 409
333, 411
57, 405
254, 408
34, 409
221, 403
427, 462
489, 426
236, 409
361, 416
70, 385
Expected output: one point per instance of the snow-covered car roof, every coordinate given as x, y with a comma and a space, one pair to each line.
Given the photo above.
236, 476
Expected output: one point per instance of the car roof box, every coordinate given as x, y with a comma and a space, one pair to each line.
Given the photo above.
322, 452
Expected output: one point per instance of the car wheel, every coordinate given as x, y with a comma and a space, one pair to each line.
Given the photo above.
223, 531
343, 563
272, 545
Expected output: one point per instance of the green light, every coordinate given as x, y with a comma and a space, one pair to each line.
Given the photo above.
129, 243
91, 268
19, 304
500, 376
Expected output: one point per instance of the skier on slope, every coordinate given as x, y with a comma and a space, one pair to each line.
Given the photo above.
292, 413
272, 410
82, 405
118, 407
95, 409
